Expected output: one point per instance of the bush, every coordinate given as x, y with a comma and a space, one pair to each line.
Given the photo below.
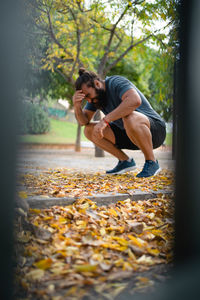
34, 120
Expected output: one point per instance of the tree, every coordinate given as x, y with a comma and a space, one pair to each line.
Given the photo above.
92, 35
96, 34
161, 84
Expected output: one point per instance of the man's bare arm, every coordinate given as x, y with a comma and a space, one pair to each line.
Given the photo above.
83, 116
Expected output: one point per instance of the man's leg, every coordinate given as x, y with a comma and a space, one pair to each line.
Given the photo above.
107, 143
137, 128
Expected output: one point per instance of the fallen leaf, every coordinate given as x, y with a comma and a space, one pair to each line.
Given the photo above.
44, 264
85, 268
35, 275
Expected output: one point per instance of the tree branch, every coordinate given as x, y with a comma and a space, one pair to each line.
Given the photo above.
159, 40
52, 32
125, 52
80, 8
102, 26
78, 37
54, 37
110, 66
60, 60
117, 46
67, 79
112, 32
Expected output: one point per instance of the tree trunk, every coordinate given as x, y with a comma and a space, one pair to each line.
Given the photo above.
78, 139
98, 151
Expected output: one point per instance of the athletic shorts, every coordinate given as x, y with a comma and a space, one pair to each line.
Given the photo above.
158, 132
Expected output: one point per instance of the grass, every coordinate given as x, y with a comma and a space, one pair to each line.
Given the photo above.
168, 140
63, 132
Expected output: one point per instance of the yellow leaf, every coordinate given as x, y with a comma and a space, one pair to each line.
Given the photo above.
22, 194
135, 241
35, 210
116, 228
112, 212
81, 224
62, 220
131, 254
44, 264
121, 248
126, 266
85, 268
119, 262
47, 218
109, 245
115, 247
54, 225
121, 241
157, 232
155, 252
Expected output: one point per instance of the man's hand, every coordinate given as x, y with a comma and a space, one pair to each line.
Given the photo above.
78, 98
99, 128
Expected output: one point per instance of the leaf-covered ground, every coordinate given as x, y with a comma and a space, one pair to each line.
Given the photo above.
64, 183
65, 250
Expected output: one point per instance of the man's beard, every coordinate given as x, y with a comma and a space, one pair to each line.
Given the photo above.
100, 98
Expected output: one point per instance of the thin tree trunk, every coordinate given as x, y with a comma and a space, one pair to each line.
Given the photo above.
78, 139
98, 151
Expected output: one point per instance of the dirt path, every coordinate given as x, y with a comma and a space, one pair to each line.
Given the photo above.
45, 158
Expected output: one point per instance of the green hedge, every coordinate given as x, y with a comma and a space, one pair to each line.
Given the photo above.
33, 120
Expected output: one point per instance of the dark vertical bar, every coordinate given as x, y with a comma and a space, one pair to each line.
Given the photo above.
175, 116
188, 152
9, 75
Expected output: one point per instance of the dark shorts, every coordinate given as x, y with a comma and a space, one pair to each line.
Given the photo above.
158, 131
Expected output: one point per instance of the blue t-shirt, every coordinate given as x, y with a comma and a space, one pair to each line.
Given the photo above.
116, 86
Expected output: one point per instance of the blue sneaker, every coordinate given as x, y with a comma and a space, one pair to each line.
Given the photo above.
122, 167
150, 168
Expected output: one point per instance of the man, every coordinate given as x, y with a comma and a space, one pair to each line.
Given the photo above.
129, 123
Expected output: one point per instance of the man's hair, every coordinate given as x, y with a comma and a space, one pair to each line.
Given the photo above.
86, 77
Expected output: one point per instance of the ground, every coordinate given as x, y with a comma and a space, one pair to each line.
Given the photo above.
87, 248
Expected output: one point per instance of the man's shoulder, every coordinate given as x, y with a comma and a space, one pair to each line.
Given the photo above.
115, 78
118, 85
117, 81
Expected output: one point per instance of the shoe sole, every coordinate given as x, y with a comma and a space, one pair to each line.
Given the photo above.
122, 171
158, 171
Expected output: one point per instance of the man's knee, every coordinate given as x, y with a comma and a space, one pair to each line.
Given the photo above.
130, 122
135, 121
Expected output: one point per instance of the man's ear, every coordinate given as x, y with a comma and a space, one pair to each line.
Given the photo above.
97, 83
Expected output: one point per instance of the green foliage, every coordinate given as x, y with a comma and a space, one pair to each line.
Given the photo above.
161, 84
95, 34
34, 120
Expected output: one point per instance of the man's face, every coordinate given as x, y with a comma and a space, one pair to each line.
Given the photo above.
96, 96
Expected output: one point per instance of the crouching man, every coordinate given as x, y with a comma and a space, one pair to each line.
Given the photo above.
129, 123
